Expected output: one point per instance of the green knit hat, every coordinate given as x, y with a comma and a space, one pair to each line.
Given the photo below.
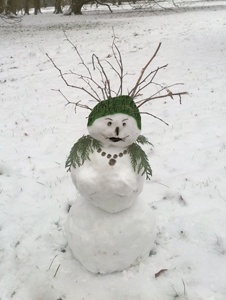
116, 105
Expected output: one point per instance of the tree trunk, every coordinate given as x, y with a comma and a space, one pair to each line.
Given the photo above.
37, 6
2, 6
10, 7
77, 5
58, 8
26, 7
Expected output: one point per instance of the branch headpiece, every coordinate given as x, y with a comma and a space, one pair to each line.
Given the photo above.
102, 91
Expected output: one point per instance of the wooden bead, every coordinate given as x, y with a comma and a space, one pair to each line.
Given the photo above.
112, 162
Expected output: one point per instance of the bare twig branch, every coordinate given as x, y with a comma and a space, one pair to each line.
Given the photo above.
163, 88
95, 88
120, 64
118, 58
70, 85
133, 91
73, 103
169, 94
120, 78
79, 55
87, 80
86, 67
107, 86
150, 81
154, 117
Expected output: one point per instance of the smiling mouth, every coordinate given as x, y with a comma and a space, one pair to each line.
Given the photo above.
114, 139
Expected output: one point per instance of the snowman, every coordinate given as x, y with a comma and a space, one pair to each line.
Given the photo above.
109, 228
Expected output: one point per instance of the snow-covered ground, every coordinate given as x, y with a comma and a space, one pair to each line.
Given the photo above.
188, 188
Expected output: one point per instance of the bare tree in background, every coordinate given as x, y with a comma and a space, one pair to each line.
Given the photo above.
10, 7
58, 7
37, 6
76, 7
2, 6
26, 7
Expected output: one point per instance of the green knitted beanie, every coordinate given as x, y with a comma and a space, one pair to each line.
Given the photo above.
116, 105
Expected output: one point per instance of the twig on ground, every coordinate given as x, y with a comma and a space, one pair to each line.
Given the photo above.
52, 261
56, 271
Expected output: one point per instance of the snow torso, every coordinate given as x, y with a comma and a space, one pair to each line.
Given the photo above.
110, 187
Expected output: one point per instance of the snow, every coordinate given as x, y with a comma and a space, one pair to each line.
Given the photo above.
104, 128
107, 218
107, 179
112, 188
187, 191
104, 242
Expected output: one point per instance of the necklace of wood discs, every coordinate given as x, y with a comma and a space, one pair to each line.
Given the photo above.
112, 157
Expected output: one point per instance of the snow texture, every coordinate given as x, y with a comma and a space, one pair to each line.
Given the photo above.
110, 187
103, 239
104, 128
107, 242
187, 190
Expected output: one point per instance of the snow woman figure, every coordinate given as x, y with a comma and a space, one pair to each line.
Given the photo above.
109, 226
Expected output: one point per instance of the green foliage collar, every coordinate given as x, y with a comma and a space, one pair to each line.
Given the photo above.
86, 144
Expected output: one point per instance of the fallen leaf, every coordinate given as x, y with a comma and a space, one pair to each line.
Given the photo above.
160, 272
181, 200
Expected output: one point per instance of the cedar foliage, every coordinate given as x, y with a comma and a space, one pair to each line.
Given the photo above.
86, 144
81, 150
143, 140
139, 159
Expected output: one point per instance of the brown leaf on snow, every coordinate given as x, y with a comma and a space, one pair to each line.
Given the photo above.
181, 200
160, 272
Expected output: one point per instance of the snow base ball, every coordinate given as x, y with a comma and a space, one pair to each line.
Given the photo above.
108, 228
105, 242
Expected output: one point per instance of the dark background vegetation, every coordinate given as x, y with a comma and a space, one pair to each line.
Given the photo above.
12, 7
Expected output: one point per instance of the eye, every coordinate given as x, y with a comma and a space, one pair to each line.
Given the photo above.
124, 124
109, 123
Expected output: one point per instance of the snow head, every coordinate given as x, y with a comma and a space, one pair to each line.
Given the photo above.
115, 122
